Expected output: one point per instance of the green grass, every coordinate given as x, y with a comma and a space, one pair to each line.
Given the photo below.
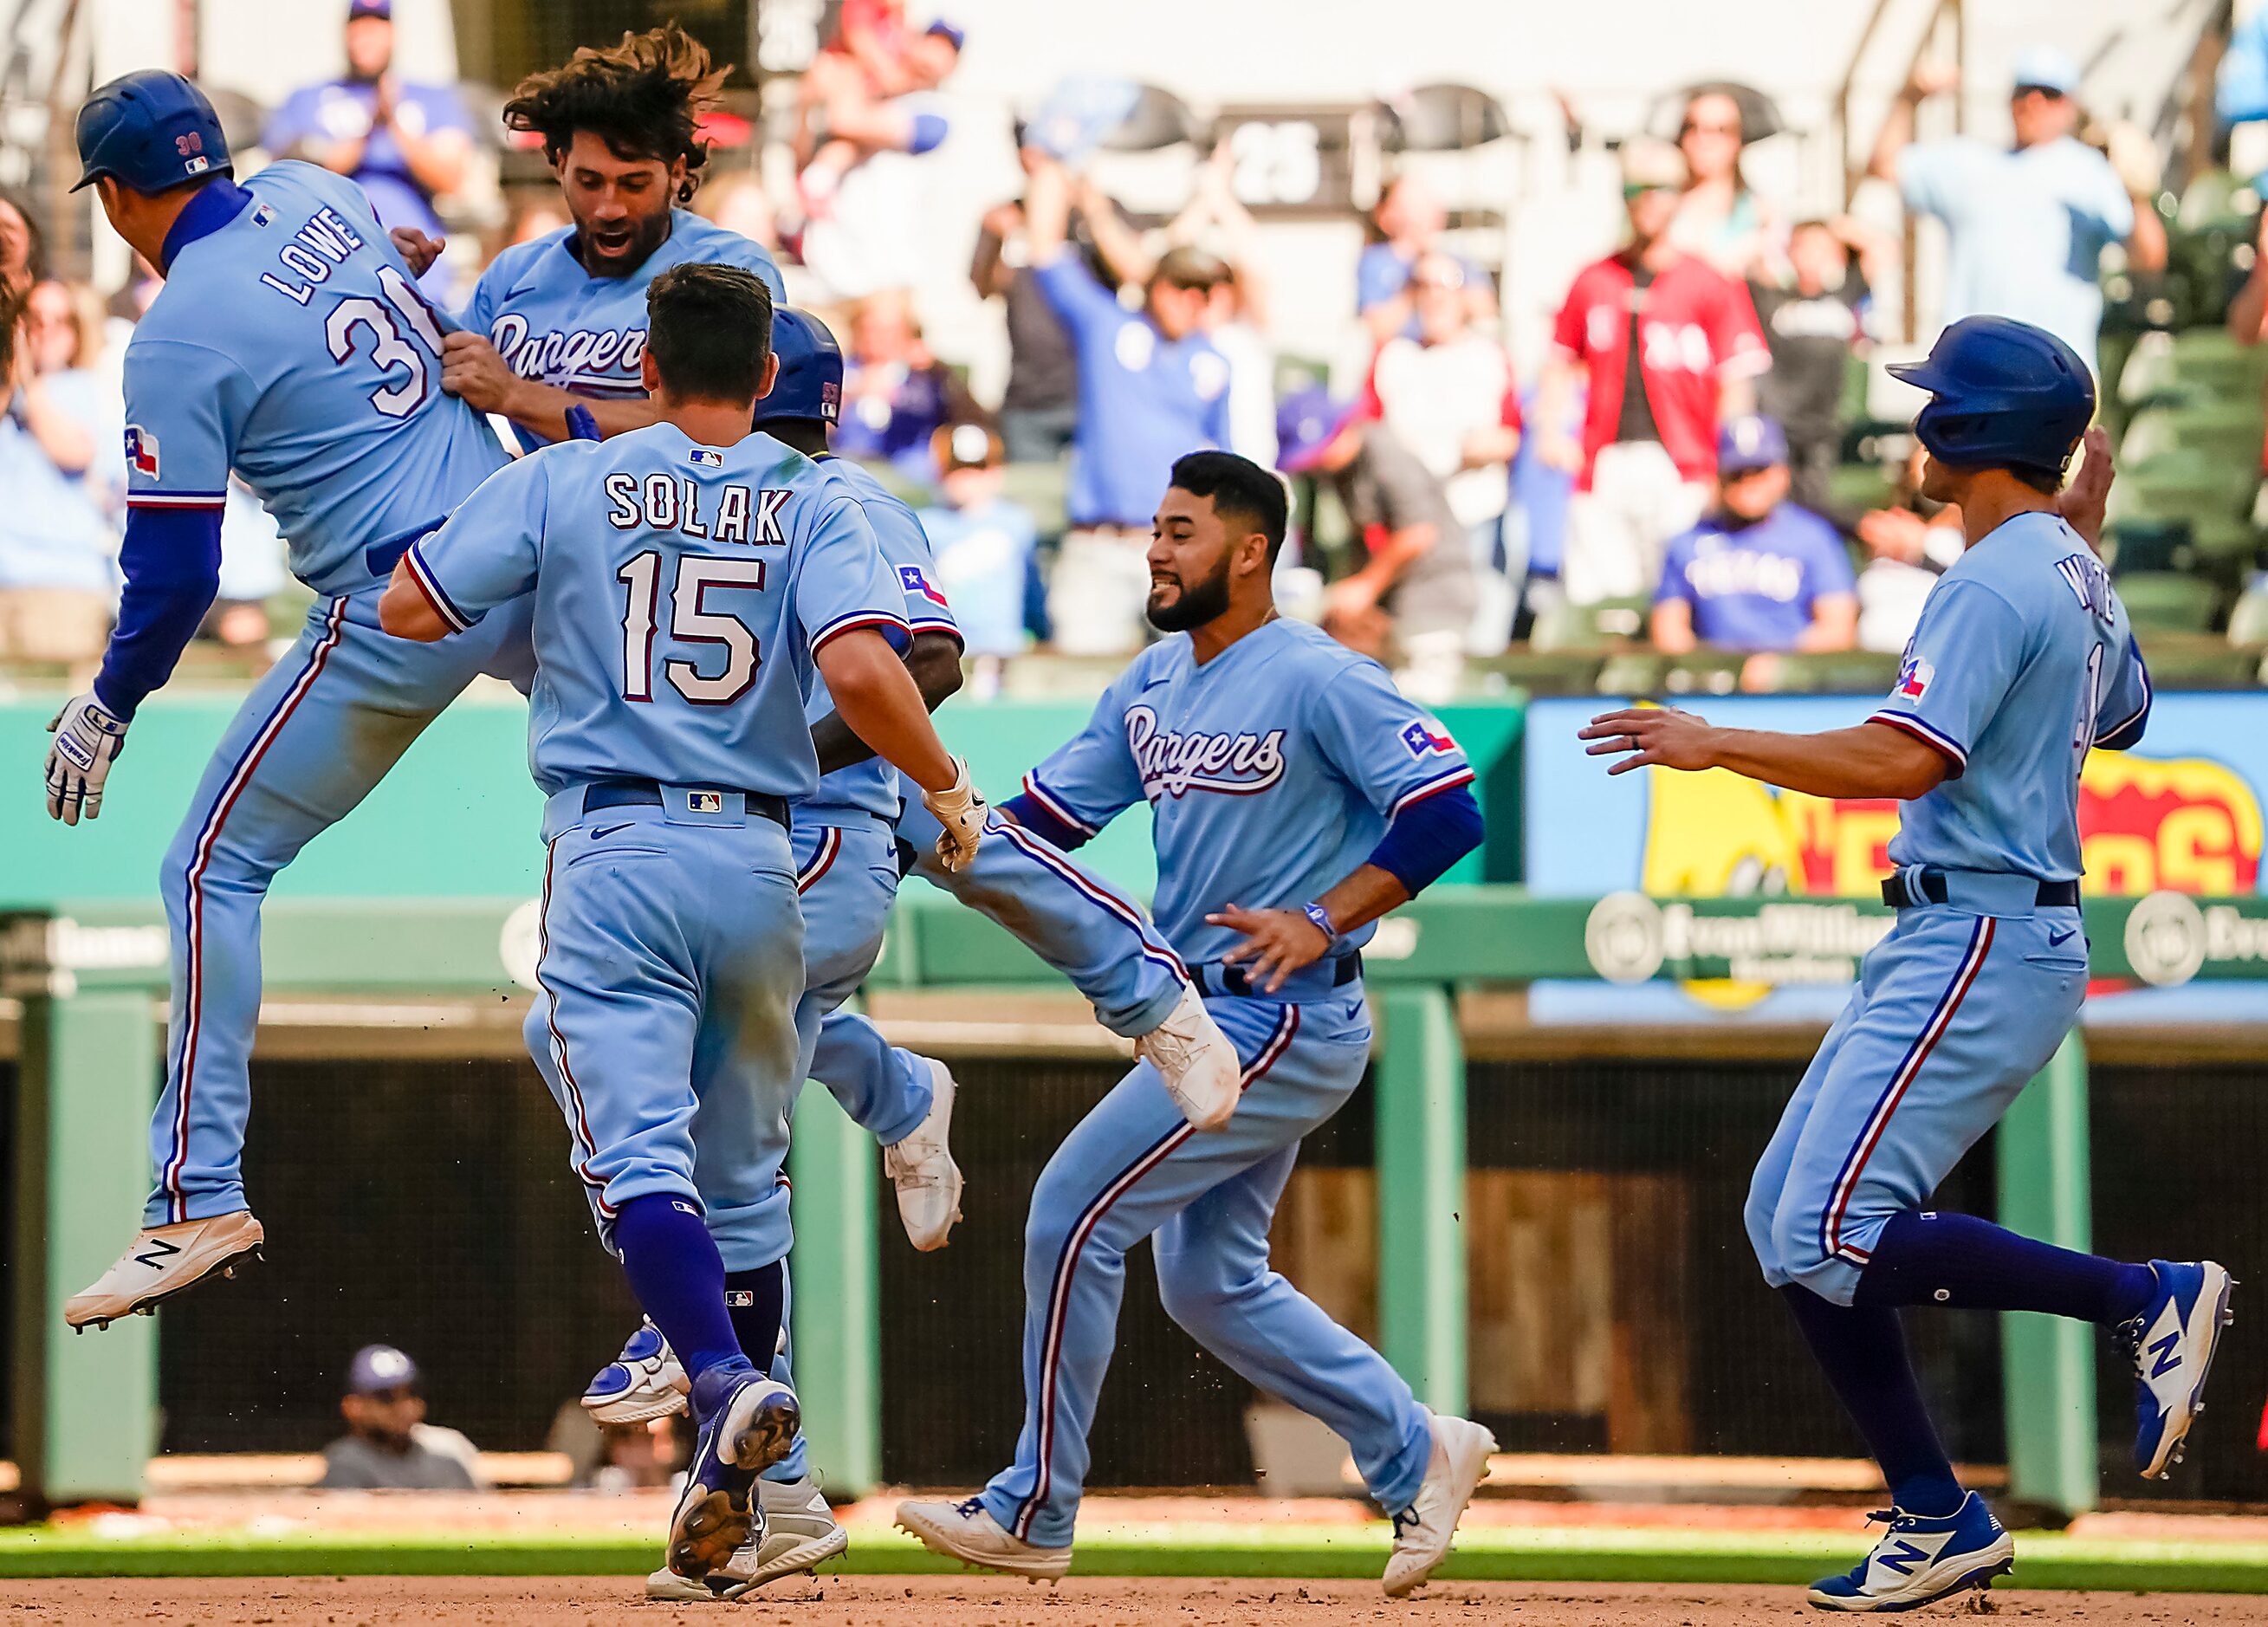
2045, 1560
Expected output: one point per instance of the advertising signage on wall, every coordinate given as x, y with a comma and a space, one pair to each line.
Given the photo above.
2176, 819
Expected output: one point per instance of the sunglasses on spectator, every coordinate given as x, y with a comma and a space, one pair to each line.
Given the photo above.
2048, 90
1694, 128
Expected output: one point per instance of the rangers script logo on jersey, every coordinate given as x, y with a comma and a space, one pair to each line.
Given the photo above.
1173, 764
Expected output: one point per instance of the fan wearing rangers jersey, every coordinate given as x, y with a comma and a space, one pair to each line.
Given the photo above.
1296, 798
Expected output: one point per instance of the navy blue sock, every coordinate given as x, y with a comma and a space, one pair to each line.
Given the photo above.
1933, 1257
754, 1300
679, 1278
1862, 1350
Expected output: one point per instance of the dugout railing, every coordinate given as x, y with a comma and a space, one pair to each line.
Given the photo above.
90, 979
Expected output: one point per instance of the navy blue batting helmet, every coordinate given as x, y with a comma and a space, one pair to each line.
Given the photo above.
2003, 395
810, 382
149, 131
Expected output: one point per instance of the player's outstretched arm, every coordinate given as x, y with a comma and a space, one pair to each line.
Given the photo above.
876, 696
1871, 760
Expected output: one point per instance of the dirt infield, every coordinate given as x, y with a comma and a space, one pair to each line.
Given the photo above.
973, 1601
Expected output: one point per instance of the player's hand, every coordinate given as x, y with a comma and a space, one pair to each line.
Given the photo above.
1661, 735
961, 808
1276, 943
2083, 503
417, 251
473, 371
88, 734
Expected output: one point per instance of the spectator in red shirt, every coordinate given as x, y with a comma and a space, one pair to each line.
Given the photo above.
1669, 348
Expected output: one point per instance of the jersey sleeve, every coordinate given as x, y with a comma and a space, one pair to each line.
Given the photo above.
906, 551
1091, 778
1073, 294
1963, 656
1675, 584
751, 256
1390, 750
489, 550
186, 408
1570, 331
842, 583
1934, 175
293, 122
2125, 710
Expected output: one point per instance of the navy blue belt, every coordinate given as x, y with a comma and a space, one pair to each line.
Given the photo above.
633, 793
1900, 894
1215, 978
381, 557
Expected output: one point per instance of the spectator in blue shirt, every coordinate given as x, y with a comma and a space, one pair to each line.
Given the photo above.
896, 395
1759, 574
984, 548
403, 144
1410, 221
1150, 387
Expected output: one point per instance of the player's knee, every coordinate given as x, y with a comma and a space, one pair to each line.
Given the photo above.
1759, 1216
1193, 1290
1048, 1226
1797, 1251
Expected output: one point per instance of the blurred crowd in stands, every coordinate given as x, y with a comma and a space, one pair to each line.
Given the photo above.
1675, 473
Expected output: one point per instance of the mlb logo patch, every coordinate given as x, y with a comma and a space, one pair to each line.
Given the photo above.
830, 403
141, 451
911, 579
1424, 742
1914, 676
708, 458
705, 801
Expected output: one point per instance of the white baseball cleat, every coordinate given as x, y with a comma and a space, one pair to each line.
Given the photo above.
1197, 1061
1425, 1531
921, 1166
2173, 1342
164, 1260
965, 1532
799, 1534
644, 1383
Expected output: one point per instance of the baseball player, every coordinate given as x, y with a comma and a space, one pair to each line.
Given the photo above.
848, 858
2022, 662
1297, 797
687, 579
559, 323
288, 346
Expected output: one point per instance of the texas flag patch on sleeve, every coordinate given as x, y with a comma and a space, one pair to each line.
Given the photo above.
1425, 739
141, 451
1915, 674
913, 580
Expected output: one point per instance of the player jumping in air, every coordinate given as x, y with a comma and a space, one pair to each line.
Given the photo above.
851, 836
288, 345
1297, 797
2021, 664
687, 579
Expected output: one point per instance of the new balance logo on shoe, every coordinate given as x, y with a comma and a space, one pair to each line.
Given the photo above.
2163, 1350
1902, 1558
156, 1252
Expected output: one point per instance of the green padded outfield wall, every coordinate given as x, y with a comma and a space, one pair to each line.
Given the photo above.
458, 815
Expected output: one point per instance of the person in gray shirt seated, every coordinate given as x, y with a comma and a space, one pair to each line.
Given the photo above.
388, 1446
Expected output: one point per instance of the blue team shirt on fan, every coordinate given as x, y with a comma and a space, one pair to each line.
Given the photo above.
2023, 661
1144, 400
1271, 771
553, 322
289, 345
984, 565
680, 592
871, 787
1754, 586
342, 110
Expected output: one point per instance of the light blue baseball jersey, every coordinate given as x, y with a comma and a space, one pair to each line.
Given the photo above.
289, 345
553, 322
1271, 772
2021, 664
872, 786
680, 592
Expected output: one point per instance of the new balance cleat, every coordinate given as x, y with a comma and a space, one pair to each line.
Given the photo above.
966, 1532
2172, 1343
162, 1260
921, 1167
644, 1383
1197, 1061
1424, 1532
1921, 1560
798, 1534
751, 1424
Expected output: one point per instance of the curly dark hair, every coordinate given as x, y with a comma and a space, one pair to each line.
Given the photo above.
644, 98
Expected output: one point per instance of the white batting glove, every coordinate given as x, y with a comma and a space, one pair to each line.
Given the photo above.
959, 807
87, 736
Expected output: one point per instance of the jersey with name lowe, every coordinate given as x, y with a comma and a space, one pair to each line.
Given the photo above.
1271, 771
680, 592
552, 322
360, 447
2022, 662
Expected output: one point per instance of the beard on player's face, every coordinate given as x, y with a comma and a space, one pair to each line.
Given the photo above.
1177, 604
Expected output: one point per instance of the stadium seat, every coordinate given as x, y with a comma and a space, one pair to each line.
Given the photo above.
2226, 431
2168, 600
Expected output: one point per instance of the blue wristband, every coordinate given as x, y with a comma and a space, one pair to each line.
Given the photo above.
1322, 920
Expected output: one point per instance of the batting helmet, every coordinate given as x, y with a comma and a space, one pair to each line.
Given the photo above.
149, 131
810, 382
2003, 395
